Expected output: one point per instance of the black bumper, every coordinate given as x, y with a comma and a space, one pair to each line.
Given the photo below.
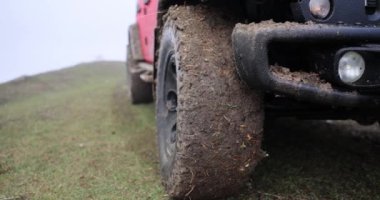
251, 51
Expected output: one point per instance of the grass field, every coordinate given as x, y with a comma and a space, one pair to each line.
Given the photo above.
72, 134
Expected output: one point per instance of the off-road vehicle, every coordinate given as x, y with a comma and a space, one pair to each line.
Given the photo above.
217, 68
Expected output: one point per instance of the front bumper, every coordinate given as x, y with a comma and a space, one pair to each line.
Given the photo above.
251, 45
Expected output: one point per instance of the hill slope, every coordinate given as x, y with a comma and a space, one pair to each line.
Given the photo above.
69, 134
72, 134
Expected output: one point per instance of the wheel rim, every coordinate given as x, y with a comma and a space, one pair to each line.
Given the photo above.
170, 93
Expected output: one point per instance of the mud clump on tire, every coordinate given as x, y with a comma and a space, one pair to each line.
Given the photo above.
220, 120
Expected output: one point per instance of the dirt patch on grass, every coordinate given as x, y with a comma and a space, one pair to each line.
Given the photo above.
21, 197
4, 168
5, 164
300, 77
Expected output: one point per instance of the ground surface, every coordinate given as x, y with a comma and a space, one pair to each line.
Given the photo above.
71, 134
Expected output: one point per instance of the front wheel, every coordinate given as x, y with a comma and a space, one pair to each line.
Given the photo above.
209, 124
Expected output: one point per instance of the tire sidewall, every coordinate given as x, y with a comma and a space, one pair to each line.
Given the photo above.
167, 49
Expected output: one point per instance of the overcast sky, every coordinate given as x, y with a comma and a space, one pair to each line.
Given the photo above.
42, 35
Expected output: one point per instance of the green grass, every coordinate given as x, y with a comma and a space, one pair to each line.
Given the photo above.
72, 134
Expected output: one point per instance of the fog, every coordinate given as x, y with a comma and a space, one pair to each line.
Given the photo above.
42, 35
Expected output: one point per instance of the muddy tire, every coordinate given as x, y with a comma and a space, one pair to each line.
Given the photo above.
209, 123
138, 90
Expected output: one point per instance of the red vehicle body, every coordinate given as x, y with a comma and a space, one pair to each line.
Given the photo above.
147, 22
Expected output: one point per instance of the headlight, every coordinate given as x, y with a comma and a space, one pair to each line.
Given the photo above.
320, 8
351, 67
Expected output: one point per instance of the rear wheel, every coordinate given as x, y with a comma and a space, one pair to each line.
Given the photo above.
209, 124
138, 90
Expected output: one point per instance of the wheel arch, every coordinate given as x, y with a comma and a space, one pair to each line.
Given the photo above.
164, 5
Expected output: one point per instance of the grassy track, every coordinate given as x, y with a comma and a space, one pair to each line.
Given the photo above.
71, 134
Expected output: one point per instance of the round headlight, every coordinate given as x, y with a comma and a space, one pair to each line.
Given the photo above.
320, 8
351, 67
